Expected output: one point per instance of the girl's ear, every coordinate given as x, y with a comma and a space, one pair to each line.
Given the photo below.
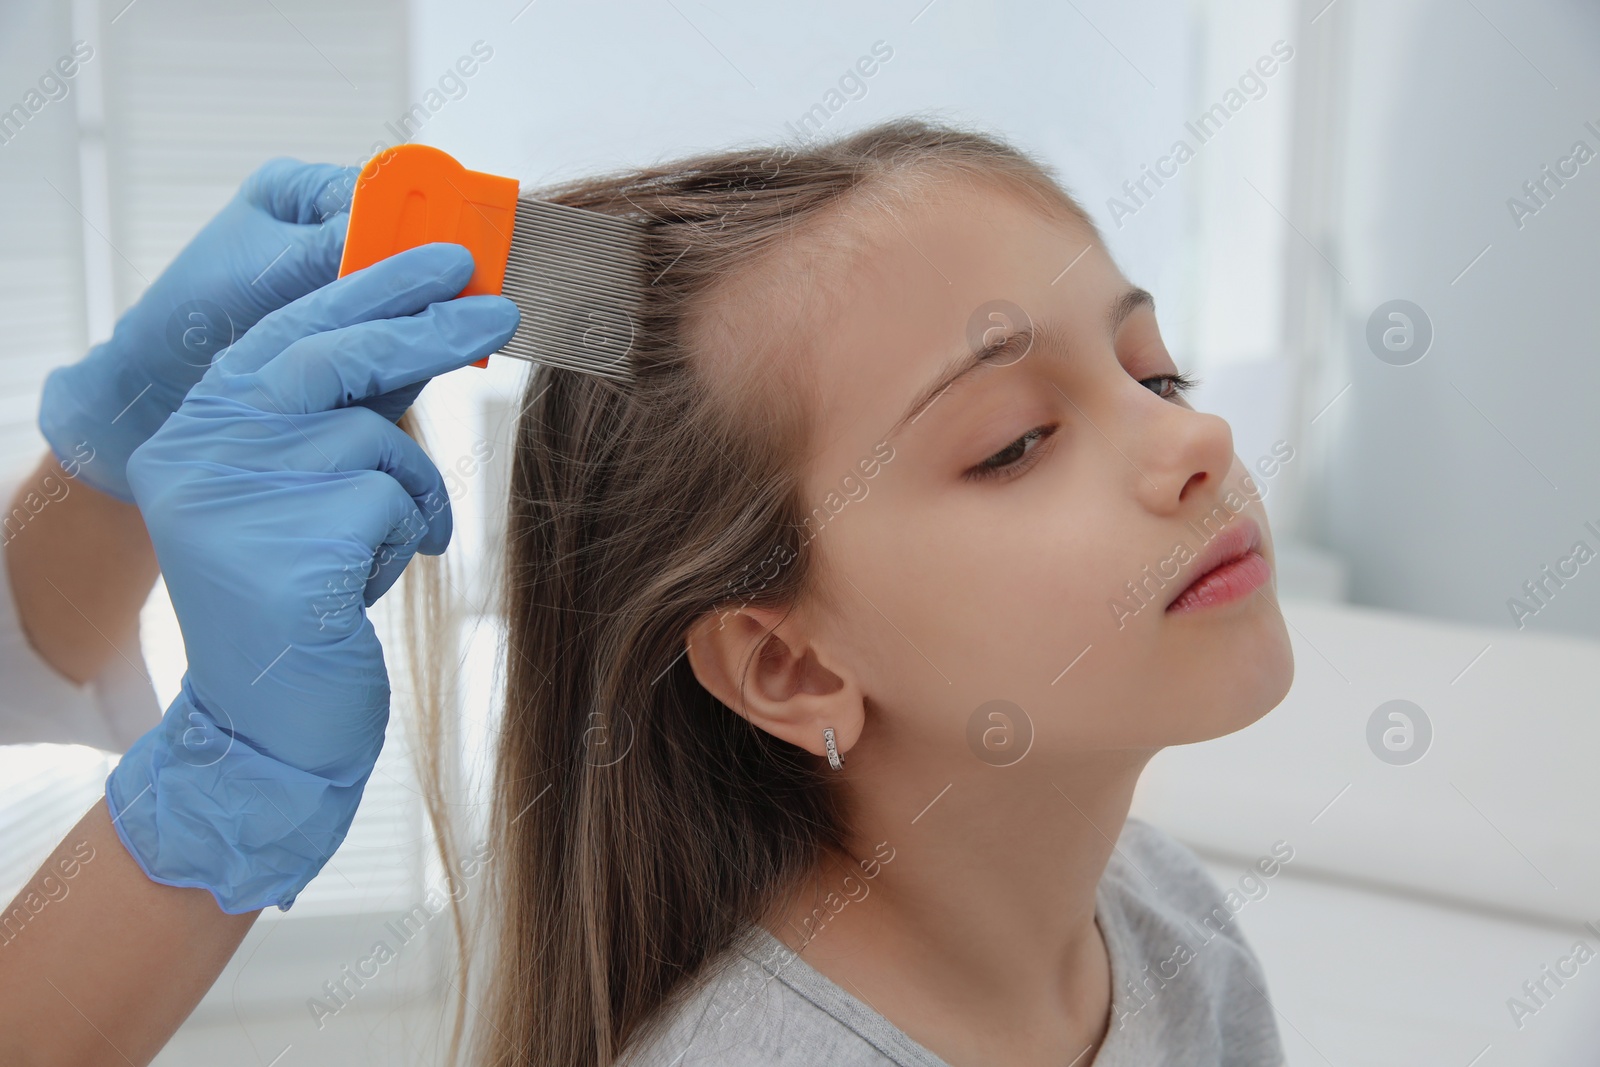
759, 662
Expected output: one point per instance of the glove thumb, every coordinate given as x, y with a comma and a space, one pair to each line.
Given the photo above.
304, 193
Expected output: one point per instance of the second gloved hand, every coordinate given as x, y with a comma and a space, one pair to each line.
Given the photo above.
281, 505
280, 237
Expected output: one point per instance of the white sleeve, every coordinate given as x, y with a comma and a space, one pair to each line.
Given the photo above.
37, 704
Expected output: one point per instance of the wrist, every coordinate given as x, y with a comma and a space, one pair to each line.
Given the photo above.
80, 567
197, 805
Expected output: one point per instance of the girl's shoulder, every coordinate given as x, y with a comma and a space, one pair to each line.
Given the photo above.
1145, 850
1184, 976
1152, 871
759, 1004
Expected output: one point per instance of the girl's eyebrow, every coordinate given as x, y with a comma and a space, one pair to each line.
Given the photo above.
1005, 349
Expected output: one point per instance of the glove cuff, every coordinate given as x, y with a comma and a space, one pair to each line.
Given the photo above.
93, 419
199, 807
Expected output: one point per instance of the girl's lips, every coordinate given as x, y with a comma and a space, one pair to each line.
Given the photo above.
1225, 584
1230, 567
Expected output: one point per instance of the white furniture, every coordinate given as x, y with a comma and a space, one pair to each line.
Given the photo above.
1422, 896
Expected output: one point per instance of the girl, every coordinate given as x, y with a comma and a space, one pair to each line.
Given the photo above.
835, 653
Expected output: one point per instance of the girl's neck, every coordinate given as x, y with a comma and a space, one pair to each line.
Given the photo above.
973, 915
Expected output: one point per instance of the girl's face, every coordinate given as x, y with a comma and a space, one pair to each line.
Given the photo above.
983, 549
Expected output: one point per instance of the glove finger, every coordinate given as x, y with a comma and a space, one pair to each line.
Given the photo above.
402, 284
393, 405
391, 560
308, 261
360, 439
292, 191
384, 521
394, 549
335, 197
338, 368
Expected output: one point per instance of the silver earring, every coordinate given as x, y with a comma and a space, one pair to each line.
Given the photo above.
835, 760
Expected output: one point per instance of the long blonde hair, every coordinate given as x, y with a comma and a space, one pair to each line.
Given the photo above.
638, 825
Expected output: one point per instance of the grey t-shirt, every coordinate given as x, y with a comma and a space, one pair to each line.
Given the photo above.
1185, 987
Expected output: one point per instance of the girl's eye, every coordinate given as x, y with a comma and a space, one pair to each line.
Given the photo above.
1180, 384
1017, 457
1011, 460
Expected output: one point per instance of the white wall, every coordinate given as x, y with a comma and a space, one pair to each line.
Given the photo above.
1460, 475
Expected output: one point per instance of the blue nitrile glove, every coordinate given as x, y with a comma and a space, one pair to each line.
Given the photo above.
280, 237
281, 505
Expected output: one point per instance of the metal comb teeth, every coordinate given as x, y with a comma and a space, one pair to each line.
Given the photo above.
576, 277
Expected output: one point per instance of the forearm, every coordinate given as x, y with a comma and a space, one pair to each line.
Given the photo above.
100, 965
81, 567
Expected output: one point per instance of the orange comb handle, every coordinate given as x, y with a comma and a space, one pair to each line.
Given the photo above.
413, 194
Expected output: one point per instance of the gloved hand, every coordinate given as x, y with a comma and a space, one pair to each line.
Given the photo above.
281, 505
279, 238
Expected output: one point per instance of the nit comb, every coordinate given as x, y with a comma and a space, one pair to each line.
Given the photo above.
574, 274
